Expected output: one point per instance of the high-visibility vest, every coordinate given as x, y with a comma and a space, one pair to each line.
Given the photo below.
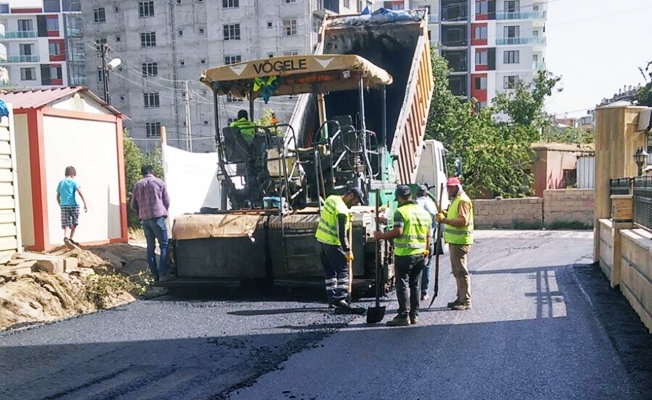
327, 228
459, 235
415, 230
246, 128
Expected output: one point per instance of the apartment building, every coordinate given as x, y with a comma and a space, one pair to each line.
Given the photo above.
164, 46
41, 46
489, 44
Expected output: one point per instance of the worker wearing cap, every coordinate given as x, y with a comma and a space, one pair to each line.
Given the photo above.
458, 233
247, 128
335, 251
427, 204
411, 234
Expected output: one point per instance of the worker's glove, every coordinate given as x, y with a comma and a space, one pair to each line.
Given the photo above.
349, 256
440, 217
426, 253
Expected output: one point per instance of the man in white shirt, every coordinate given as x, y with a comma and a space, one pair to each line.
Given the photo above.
427, 204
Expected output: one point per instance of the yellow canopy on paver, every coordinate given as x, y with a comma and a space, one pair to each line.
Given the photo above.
295, 74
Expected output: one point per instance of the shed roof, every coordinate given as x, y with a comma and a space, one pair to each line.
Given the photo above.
585, 148
38, 98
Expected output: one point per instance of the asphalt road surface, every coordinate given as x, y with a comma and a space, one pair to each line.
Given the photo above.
544, 325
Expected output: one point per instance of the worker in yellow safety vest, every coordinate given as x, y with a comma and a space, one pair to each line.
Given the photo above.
247, 128
335, 252
458, 233
411, 234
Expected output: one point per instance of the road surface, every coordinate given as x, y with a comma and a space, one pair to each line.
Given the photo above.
544, 325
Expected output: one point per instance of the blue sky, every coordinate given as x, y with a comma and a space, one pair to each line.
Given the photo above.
597, 47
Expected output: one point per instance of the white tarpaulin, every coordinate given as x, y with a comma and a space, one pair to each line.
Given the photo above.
191, 180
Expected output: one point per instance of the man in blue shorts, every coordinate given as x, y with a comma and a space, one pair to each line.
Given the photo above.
66, 197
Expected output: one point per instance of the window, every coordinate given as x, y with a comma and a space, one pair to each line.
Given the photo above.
232, 32
100, 76
290, 27
230, 3
28, 74
182, 62
201, 31
116, 9
231, 99
56, 72
146, 9
347, 3
291, 53
148, 39
149, 69
232, 59
52, 23
4, 8
153, 129
51, 6
71, 5
25, 25
151, 99
202, 61
26, 49
480, 32
269, 25
482, 7
511, 57
512, 6
55, 48
290, 1
481, 58
180, 33
99, 15
117, 38
509, 82
481, 83
512, 31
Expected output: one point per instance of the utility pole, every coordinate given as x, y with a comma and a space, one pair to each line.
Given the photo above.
188, 124
102, 52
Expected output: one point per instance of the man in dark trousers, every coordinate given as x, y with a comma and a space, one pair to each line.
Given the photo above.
411, 234
150, 200
336, 250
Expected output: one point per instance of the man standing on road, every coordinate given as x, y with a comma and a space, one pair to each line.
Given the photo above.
336, 250
411, 234
150, 200
458, 233
427, 204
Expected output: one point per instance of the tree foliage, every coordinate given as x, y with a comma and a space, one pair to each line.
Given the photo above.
496, 152
643, 96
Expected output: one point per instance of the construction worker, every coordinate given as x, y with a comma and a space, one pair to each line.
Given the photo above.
336, 250
458, 233
427, 204
411, 234
247, 128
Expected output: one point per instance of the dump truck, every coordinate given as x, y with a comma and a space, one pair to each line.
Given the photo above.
360, 120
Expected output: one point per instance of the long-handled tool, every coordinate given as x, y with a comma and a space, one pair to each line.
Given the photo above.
437, 243
376, 314
350, 309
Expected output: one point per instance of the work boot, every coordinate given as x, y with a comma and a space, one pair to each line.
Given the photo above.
399, 320
424, 296
461, 307
341, 303
414, 319
453, 303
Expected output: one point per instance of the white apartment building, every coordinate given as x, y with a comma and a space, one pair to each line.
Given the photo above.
41, 45
164, 46
489, 44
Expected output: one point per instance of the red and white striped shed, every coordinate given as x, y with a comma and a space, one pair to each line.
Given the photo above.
55, 128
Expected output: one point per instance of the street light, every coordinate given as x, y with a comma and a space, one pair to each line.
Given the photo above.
640, 157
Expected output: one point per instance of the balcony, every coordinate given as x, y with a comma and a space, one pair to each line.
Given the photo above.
19, 59
19, 35
521, 40
501, 16
539, 66
433, 19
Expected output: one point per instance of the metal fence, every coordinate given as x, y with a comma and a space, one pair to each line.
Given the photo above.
620, 186
643, 202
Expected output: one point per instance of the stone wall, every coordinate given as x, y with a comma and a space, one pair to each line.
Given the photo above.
571, 205
636, 272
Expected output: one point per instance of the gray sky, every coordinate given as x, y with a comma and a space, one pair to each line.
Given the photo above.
595, 45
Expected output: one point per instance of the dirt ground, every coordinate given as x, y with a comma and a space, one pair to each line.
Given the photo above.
107, 276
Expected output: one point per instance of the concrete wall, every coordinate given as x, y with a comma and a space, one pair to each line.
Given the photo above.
24, 173
636, 272
563, 205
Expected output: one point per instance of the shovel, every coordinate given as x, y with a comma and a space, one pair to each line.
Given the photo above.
437, 251
376, 314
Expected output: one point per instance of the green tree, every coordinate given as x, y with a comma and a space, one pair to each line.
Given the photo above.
643, 96
133, 162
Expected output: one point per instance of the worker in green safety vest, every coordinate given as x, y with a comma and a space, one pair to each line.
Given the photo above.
458, 233
247, 128
336, 252
411, 234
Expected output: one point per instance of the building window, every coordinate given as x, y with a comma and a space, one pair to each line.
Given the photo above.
180, 33
291, 53
231, 99
481, 83
290, 1
511, 57
232, 32
481, 58
151, 99
509, 82
290, 27
99, 15
25, 25
512, 32
347, 3
512, 6
100, 76
232, 60
481, 7
55, 48
4, 8
28, 74
71, 5
150, 69
201, 31
153, 129
146, 9
230, 3
51, 6
480, 32
148, 39
26, 49
56, 72
52, 23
